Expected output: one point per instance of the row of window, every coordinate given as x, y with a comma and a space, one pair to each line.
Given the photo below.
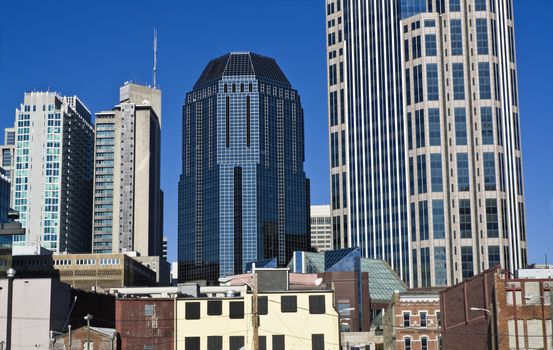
238, 342
288, 304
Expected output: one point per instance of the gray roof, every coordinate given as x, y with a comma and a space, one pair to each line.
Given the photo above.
242, 63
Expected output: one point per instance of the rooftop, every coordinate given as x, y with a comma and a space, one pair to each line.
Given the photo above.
242, 63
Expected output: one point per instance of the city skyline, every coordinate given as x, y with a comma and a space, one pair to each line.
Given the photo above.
12, 86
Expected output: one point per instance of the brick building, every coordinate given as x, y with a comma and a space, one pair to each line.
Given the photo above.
412, 321
100, 339
145, 323
498, 313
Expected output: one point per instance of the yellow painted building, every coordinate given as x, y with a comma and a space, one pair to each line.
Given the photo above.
293, 319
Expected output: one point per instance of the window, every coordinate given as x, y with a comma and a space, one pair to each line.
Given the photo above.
421, 171
317, 304
288, 303
466, 262
214, 343
489, 171
262, 342
436, 172
262, 305
519, 175
430, 44
411, 176
214, 307
415, 268
317, 342
148, 310
419, 125
456, 37
463, 180
480, 5
406, 50
429, 23
424, 343
278, 342
492, 223
438, 218
423, 318
434, 126
192, 343
484, 80
432, 82
192, 311
406, 319
460, 127
458, 81
416, 47
486, 118
482, 36
407, 343
423, 220
417, 83
494, 257
425, 267
407, 88
440, 266
236, 342
465, 224
454, 5
236, 309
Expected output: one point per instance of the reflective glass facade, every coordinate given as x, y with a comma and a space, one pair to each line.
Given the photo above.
243, 194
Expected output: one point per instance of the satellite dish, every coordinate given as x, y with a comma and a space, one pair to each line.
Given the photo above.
318, 281
145, 102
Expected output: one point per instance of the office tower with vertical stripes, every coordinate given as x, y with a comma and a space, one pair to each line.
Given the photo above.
438, 190
128, 201
243, 194
52, 172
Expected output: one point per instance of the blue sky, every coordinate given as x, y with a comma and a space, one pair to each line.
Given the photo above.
91, 48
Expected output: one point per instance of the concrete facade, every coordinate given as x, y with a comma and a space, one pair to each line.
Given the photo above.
53, 158
321, 227
128, 201
7, 155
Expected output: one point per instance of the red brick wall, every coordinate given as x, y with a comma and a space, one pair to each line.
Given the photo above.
136, 329
414, 331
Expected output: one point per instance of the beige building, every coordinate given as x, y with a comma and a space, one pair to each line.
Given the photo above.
102, 271
321, 227
128, 202
303, 318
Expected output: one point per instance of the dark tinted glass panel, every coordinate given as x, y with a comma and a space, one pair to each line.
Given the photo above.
192, 311
192, 343
317, 304
214, 307
317, 341
236, 309
262, 305
215, 343
262, 342
288, 303
278, 342
236, 342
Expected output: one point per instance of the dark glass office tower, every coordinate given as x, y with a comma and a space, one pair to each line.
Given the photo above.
243, 194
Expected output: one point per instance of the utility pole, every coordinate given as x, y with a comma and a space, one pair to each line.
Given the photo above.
10, 274
87, 318
255, 317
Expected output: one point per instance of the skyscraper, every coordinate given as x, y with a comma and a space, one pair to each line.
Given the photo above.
463, 140
52, 172
243, 194
128, 202
321, 227
368, 177
8, 153
451, 65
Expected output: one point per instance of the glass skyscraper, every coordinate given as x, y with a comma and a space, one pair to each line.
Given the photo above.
243, 194
425, 135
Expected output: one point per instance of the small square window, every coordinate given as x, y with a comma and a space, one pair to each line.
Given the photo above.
214, 307
236, 342
214, 343
192, 343
317, 304
262, 305
236, 309
278, 342
192, 311
288, 303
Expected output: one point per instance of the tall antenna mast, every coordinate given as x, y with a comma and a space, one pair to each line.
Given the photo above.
155, 57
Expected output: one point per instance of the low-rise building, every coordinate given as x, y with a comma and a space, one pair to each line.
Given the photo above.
41, 305
493, 311
99, 338
145, 323
412, 321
